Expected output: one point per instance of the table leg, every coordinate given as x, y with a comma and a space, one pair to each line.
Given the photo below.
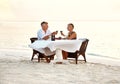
59, 54
59, 57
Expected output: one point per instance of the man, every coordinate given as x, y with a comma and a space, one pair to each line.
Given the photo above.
44, 34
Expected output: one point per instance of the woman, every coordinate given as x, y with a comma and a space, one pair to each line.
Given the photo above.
71, 36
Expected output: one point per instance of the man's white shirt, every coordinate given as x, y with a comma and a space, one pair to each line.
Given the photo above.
41, 34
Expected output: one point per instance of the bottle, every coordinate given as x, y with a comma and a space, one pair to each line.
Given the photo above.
53, 37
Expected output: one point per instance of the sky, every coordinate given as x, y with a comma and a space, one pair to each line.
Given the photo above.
55, 10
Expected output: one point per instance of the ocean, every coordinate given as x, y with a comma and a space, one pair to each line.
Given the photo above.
104, 36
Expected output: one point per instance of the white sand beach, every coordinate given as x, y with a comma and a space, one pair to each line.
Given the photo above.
16, 68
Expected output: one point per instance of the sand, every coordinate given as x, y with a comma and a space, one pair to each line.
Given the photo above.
16, 68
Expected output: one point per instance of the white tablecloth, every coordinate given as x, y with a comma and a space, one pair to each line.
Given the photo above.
56, 47
66, 45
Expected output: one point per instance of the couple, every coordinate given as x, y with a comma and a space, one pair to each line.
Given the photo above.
44, 34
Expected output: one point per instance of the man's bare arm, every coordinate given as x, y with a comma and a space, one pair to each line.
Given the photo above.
46, 37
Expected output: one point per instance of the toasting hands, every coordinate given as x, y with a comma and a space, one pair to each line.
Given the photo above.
62, 33
55, 33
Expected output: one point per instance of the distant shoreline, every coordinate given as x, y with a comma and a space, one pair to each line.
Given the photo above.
28, 52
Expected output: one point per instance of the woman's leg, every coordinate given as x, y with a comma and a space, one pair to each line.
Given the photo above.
65, 54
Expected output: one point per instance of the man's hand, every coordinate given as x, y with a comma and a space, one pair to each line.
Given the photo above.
55, 33
46, 37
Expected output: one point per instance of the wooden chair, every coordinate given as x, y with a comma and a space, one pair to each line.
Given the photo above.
40, 55
80, 52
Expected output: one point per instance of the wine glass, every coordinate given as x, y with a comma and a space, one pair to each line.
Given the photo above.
61, 32
56, 32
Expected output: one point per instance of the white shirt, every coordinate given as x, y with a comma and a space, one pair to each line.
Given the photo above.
41, 34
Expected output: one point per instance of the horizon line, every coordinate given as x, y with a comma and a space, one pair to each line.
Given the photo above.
60, 20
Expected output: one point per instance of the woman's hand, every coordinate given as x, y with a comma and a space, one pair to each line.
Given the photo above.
62, 33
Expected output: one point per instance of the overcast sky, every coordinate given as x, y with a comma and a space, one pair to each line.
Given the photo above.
34, 10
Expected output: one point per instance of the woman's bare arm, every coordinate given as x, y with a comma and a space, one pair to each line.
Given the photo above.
74, 35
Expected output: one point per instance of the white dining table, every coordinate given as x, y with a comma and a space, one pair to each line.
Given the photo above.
56, 47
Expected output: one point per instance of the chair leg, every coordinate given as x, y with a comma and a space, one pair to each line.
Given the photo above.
38, 58
76, 59
84, 57
32, 56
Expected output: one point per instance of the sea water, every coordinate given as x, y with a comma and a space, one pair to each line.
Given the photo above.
104, 36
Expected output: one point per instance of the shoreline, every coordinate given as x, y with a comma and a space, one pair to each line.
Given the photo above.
91, 59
